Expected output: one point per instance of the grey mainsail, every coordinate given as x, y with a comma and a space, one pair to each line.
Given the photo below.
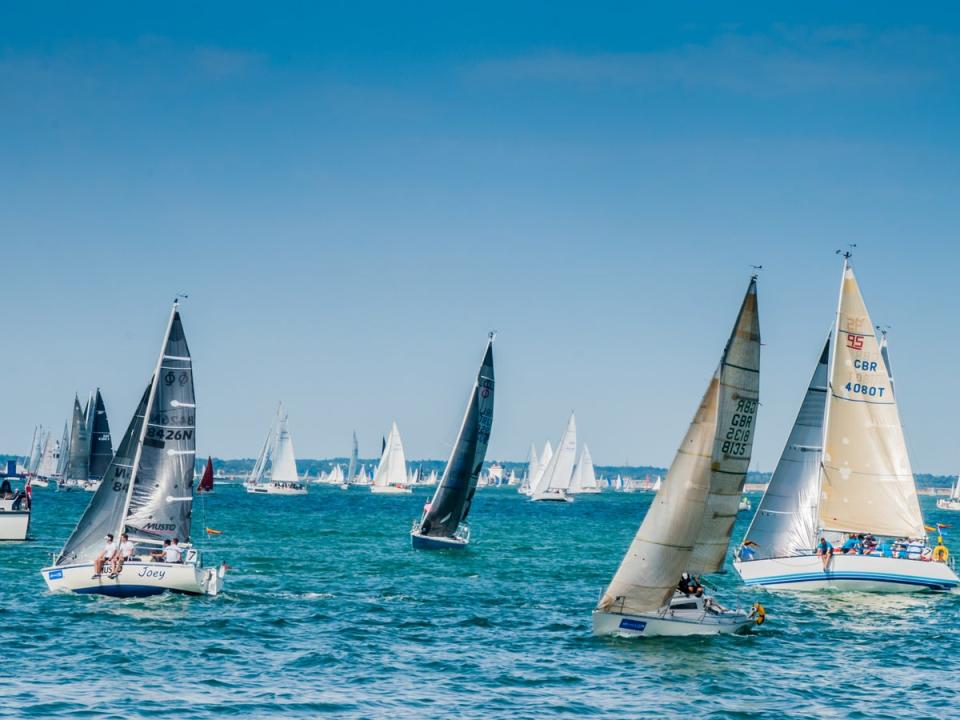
451, 501
103, 514
64, 455
78, 463
101, 445
161, 495
786, 521
352, 469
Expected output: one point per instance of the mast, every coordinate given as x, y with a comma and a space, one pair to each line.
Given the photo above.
146, 420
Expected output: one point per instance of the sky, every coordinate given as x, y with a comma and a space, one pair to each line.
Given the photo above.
354, 194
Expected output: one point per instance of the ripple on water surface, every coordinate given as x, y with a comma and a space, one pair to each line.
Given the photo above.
328, 610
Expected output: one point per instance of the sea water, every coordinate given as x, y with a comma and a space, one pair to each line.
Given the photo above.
328, 611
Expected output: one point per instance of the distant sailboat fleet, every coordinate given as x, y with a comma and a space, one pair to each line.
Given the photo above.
841, 511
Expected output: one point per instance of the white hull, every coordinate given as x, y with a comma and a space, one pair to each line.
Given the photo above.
676, 620
136, 579
39, 482
552, 496
14, 524
856, 573
271, 489
587, 491
389, 490
949, 504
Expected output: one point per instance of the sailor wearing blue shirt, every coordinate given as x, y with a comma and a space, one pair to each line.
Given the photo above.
850, 545
824, 551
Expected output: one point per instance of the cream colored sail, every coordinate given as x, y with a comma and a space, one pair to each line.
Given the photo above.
736, 426
866, 480
665, 542
392, 469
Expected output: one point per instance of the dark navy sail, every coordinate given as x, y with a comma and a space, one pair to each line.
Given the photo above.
451, 502
101, 446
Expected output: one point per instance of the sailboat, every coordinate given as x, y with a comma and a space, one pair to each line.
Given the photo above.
845, 471
533, 471
275, 472
206, 480
584, 480
147, 493
363, 478
443, 524
952, 502
352, 468
554, 481
688, 525
391, 475
78, 458
41, 439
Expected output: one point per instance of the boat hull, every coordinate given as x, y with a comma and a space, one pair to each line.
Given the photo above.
948, 504
39, 482
136, 579
14, 524
427, 542
857, 573
556, 496
670, 624
272, 490
389, 490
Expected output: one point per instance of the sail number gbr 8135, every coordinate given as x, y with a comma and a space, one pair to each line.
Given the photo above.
736, 441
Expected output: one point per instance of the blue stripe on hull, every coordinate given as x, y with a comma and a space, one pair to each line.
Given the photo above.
929, 583
125, 591
425, 542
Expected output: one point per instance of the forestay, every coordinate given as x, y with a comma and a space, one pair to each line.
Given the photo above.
451, 502
665, 542
786, 521
867, 483
160, 501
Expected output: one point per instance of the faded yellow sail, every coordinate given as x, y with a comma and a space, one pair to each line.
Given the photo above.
867, 483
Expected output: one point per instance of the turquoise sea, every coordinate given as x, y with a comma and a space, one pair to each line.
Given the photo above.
328, 611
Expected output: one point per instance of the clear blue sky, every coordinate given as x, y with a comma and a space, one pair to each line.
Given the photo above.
353, 194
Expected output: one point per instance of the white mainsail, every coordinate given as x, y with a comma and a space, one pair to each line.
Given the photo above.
392, 469
786, 521
866, 482
559, 470
284, 468
666, 539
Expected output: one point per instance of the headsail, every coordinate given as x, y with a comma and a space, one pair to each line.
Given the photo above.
160, 500
101, 446
584, 475
663, 545
105, 509
451, 502
739, 396
866, 481
786, 521
284, 468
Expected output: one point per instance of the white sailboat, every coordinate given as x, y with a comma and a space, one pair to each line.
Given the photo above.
391, 475
275, 472
533, 471
554, 481
147, 493
845, 471
363, 477
689, 522
584, 481
952, 502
